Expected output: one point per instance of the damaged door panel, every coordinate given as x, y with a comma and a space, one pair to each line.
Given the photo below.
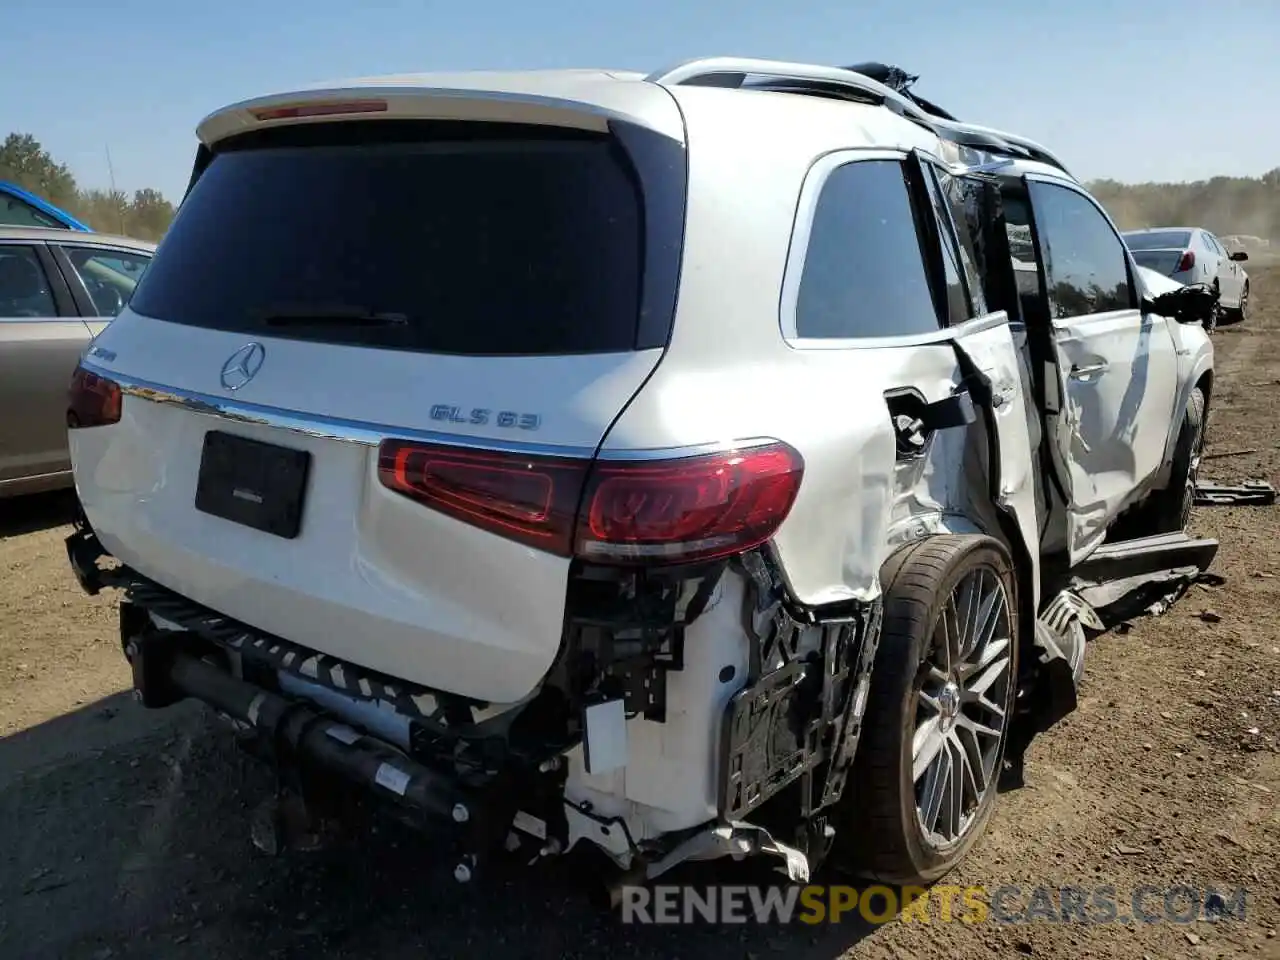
1117, 369
932, 471
989, 346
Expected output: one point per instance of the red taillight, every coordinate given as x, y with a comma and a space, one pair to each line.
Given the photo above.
632, 511
1187, 262
319, 109
694, 508
529, 499
94, 401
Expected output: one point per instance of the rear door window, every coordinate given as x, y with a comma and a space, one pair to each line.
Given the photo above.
489, 242
25, 292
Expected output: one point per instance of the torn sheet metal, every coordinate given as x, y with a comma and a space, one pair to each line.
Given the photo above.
735, 839
994, 354
1150, 594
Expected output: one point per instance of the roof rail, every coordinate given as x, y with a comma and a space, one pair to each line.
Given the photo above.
732, 71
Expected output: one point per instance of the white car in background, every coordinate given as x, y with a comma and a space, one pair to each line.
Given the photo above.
1194, 255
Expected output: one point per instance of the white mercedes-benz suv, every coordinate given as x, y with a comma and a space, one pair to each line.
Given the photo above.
677, 463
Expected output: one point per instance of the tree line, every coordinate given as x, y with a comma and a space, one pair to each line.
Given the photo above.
1223, 205
145, 215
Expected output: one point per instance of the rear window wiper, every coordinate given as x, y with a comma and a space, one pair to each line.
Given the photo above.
330, 317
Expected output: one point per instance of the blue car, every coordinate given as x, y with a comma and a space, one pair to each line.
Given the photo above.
21, 208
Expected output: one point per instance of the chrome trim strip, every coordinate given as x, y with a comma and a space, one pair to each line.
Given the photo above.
675, 453
313, 425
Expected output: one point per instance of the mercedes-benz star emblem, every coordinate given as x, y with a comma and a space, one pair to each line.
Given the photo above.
243, 365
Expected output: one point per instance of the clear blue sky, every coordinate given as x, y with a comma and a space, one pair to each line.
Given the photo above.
1166, 90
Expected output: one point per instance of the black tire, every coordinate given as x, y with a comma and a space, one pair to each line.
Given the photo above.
1241, 313
1169, 510
878, 830
1215, 316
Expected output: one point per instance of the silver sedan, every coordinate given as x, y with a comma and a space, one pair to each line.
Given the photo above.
1194, 255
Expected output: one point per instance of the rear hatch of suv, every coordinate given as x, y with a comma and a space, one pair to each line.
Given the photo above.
349, 352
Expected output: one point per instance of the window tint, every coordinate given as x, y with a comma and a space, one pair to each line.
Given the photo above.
109, 276
864, 271
24, 288
19, 213
1085, 264
412, 237
978, 210
1025, 257
956, 197
1212, 243
958, 308
1158, 239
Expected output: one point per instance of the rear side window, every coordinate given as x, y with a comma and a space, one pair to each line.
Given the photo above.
109, 276
24, 288
496, 243
19, 213
864, 269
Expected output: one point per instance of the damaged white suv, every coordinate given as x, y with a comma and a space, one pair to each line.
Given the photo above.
679, 463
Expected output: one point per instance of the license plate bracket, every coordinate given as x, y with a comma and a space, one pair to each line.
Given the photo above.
256, 484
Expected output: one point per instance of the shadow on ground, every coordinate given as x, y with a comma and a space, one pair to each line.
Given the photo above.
124, 833
36, 511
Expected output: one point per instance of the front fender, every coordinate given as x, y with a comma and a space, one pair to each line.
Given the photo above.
1195, 353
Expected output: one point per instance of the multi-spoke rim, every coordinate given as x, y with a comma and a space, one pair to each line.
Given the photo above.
962, 695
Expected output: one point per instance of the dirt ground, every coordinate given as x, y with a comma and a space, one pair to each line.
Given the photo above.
123, 832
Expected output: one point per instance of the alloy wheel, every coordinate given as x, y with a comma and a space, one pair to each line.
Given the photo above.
962, 702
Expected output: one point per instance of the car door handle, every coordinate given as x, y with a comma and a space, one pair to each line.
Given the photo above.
1088, 370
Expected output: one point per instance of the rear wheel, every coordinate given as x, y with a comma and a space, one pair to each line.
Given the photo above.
924, 780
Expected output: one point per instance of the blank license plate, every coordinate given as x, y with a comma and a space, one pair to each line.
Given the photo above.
259, 485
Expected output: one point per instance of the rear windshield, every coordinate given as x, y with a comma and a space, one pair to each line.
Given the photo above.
1158, 239
526, 243
1162, 261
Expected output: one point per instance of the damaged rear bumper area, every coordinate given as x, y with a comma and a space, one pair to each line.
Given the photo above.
284, 702
526, 777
